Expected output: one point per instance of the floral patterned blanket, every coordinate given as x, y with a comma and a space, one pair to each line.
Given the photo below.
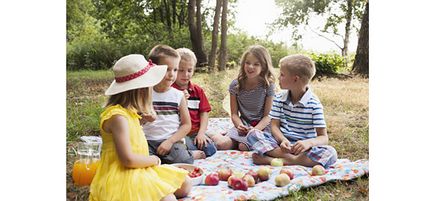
238, 161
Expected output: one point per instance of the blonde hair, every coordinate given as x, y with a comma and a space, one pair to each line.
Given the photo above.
300, 65
266, 75
187, 55
138, 99
161, 51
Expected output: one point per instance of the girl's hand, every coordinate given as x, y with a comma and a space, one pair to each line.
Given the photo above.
300, 147
164, 148
242, 130
157, 160
286, 146
148, 117
201, 140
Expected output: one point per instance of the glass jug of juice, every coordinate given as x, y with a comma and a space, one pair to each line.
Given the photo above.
85, 166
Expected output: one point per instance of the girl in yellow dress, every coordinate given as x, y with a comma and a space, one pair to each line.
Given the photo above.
126, 171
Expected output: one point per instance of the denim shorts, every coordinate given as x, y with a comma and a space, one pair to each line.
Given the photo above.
210, 149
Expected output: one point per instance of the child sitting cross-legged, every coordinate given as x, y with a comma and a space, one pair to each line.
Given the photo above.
298, 128
197, 102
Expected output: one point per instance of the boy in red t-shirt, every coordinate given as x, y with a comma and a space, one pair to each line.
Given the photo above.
197, 102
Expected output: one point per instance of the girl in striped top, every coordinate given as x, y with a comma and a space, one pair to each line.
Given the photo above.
251, 96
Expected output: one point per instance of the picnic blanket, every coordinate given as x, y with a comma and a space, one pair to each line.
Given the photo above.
239, 161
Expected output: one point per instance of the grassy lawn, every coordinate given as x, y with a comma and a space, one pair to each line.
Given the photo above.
345, 105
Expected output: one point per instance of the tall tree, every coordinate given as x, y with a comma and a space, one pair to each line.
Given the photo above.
297, 13
215, 31
361, 62
194, 20
223, 47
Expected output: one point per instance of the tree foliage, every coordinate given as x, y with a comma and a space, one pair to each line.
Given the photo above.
336, 13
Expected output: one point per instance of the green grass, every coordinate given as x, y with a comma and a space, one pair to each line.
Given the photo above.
346, 111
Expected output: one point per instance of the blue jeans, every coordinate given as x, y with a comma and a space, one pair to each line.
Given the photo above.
210, 149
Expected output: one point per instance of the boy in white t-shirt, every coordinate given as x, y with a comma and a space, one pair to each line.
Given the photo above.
166, 130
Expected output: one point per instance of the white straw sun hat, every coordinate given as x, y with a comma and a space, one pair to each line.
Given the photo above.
134, 72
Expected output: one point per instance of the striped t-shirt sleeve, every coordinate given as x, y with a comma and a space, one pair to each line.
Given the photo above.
270, 90
276, 108
318, 116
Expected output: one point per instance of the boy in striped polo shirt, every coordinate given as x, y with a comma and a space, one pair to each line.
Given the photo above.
166, 130
197, 102
298, 128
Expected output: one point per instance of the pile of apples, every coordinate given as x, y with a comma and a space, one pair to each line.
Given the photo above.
240, 181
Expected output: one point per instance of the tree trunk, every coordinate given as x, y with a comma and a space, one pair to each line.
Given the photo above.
182, 14
361, 62
202, 60
215, 31
223, 48
168, 20
348, 16
174, 12
195, 36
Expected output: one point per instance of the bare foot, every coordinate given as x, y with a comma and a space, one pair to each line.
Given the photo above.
243, 147
261, 160
197, 154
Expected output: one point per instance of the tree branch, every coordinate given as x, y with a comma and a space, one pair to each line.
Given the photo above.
325, 37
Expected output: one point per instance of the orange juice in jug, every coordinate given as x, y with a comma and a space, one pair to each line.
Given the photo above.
85, 167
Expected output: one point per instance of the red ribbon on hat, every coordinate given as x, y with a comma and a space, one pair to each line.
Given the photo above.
136, 74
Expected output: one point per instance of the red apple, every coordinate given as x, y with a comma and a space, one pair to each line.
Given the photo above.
212, 179
288, 172
230, 179
250, 180
282, 180
238, 184
318, 170
224, 174
264, 173
254, 175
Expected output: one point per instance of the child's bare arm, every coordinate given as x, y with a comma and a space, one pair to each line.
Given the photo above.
201, 139
183, 130
266, 119
284, 143
303, 145
118, 127
236, 120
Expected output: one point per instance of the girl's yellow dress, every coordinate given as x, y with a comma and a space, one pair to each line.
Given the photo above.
113, 181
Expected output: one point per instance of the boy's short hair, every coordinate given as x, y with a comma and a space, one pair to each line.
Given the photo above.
300, 65
161, 51
187, 55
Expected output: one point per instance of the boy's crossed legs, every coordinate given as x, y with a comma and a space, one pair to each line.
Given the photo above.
268, 149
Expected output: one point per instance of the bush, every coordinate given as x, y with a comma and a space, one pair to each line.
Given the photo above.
327, 64
93, 54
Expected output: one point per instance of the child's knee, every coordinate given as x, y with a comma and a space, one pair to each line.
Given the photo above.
179, 154
185, 188
223, 143
243, 147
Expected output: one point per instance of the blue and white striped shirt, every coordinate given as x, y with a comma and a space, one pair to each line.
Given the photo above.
298, 121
